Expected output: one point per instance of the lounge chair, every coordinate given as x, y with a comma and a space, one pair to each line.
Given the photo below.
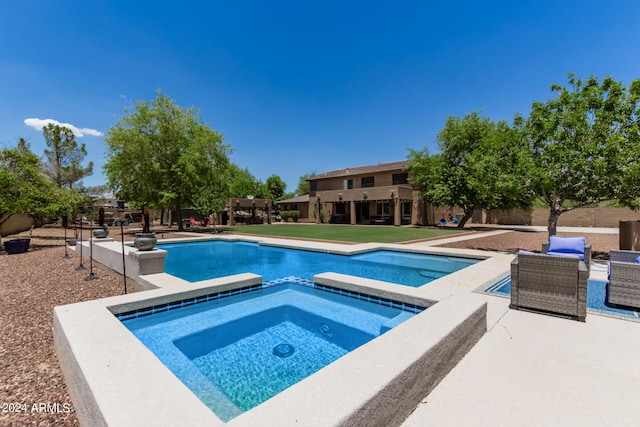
203, 222
569, 247
556, 284
624, 279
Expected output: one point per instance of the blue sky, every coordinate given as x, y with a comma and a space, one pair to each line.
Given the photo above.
301, 86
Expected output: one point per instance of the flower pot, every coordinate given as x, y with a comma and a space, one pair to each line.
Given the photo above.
16, 246
100, 233
145, 241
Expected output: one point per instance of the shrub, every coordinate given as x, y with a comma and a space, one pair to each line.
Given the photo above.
294, 215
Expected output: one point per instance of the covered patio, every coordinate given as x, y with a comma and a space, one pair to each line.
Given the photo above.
245, 211
390, 205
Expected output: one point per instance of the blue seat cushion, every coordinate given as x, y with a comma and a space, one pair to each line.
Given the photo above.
567, 245
567, 254
638, 260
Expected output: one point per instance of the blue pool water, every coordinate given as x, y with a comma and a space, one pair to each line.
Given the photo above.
596, 298
234, 352
205, 260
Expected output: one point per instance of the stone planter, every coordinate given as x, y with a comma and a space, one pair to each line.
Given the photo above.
16, 246
100, 233
145, 241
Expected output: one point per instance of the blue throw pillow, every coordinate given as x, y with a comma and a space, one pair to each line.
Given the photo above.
569, 245
638, 260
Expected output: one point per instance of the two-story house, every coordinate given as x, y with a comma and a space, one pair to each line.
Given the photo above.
374, 194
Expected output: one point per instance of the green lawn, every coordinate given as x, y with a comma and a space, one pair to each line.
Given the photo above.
344, 233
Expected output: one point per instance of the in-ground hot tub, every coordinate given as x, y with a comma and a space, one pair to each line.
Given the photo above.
238, 349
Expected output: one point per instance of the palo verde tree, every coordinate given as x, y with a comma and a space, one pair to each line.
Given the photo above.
477, 167
584, 146
165, 155
64, 156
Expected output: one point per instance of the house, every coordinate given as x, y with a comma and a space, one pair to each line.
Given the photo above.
299, 203
373, 194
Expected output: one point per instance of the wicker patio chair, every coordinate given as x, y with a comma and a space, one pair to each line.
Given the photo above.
624, 279
556, 284
577, 247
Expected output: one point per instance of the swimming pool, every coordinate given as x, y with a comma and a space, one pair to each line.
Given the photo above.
237, 349
212, 259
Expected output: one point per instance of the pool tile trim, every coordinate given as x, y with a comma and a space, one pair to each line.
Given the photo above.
147, 311
214, 296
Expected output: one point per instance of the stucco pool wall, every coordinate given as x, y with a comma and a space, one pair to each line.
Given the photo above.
114, 380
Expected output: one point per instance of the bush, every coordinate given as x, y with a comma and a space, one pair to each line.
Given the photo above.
294, 215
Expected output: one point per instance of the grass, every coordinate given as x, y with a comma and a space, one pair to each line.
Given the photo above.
345, 233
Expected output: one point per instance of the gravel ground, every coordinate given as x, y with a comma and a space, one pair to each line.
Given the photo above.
32, 390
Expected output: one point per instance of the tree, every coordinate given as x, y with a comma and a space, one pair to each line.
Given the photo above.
64, 156
303, 184
243, 183
584, 146
275, 188
165, 155
25, 189
476, 168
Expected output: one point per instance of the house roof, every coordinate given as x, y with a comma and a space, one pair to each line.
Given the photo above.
362, 170
299, 199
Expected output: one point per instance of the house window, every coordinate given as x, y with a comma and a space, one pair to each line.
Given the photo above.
347, 184
400, 178
382, 208
406, 210
367, 181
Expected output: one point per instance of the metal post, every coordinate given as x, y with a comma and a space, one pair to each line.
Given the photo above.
81, 211
65, 225
124, 268
91, 276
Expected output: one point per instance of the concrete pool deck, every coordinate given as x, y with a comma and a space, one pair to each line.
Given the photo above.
529, 368
538, 370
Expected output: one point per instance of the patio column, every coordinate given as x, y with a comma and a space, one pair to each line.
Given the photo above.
318, 219
396, 211
231, 215
352, 212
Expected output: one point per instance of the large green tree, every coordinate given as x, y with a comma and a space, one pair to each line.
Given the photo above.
477, 166
303, 184
275, 187
165, 155
64, 156
242, 183
25, 189
584, 146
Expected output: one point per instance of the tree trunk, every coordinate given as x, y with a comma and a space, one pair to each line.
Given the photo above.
552, 226
463, 221
468, 213
179, 218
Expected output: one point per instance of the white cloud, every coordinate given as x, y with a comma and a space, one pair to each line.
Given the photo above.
39, 124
